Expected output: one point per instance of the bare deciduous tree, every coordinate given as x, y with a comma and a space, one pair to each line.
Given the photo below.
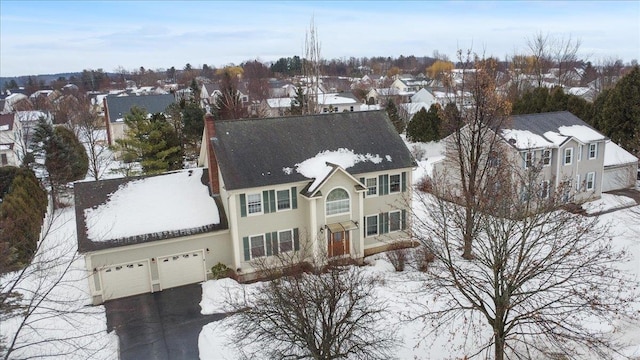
323, 312
474, 129
542, 281
43, 313
311, 69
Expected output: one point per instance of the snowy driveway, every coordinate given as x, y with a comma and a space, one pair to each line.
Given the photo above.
162, 325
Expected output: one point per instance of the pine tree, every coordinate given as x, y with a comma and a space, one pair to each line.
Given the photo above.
65, 158
619, 116
392, 111
21, 214
150, 141
425, 125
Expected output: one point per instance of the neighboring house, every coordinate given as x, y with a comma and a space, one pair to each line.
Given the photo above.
340, 102
620, 168
424, 96
570, 152
210, 92
275, 107
383, 95
407, 111
28, 121
116, 107
14, 102
334, 184
11, 151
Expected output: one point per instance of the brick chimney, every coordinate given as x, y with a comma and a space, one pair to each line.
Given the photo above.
210, 132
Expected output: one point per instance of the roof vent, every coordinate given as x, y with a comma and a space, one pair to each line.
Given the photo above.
512, 141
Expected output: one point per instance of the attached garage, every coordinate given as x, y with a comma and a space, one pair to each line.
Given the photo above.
181, 269
620, 168
125, 279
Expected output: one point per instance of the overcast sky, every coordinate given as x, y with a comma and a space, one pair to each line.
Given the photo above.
47, 37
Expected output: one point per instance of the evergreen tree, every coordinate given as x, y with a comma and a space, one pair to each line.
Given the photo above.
298, 102
425, 125
541, 100
619, 116
392, 111
150, 141
65, 158
21, 214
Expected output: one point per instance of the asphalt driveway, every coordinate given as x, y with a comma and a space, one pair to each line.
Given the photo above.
162, 325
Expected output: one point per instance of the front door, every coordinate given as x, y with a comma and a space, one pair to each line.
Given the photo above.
338, 243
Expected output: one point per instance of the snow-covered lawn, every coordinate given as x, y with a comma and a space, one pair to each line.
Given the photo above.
399, 290
63, 325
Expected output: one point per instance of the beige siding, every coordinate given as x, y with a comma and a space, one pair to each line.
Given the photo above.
218, 245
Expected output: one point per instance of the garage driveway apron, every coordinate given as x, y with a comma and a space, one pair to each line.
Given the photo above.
162, 325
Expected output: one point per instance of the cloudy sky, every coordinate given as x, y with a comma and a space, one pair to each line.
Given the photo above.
46, 37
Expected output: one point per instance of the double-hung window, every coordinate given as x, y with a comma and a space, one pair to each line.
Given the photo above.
568, 156
283, 199
257, 246
254, 204
593, 151
394, 183
546, 157
395, 221
528, 159
372, 225
591, 181
372, 187
285, 240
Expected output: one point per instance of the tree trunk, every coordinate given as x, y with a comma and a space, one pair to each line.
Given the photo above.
499, 347
467, 235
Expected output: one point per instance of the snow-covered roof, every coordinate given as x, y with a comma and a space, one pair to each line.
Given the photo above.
413, 108
155, 207
318, 167
279, 102
548, 130
615, 155
333, 99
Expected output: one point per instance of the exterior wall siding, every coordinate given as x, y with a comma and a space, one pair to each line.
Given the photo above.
219, 245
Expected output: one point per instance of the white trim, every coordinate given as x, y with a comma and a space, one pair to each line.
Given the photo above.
249, 213
591, 174
293, 247
290, 200
264, 246
399, 212
326, 203
595, 152
374, 178
564, 158
366, 232
389, 192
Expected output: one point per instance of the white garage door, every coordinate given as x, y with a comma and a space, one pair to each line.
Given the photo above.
181, 269
125, 280
617, 178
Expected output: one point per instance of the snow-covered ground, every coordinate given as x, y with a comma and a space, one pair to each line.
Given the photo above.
398, 289
81, 332
63, 325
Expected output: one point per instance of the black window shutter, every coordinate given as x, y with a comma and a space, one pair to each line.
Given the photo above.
404, 181
265, 202
268, 243
296, 240
274, 242
247, 255
272, 200
364, 194
243, 205
404, 220
294, 198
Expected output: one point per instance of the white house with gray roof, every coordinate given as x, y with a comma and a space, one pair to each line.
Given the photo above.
116, 107
569, 151
333, 185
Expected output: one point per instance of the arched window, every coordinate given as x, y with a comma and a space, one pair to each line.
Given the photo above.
338, 202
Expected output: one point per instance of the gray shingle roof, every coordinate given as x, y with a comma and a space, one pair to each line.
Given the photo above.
543, 122
254, 152
94, 193
118, 106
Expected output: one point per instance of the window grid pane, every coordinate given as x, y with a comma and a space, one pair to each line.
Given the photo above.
372, 186
394, 221
284, 201
337, 207
394, 183
372, 225
285, 240
257, 246
254, 203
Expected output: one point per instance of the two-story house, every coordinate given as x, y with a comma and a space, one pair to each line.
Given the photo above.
333, 185
570, 153
11, 149
116, 107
